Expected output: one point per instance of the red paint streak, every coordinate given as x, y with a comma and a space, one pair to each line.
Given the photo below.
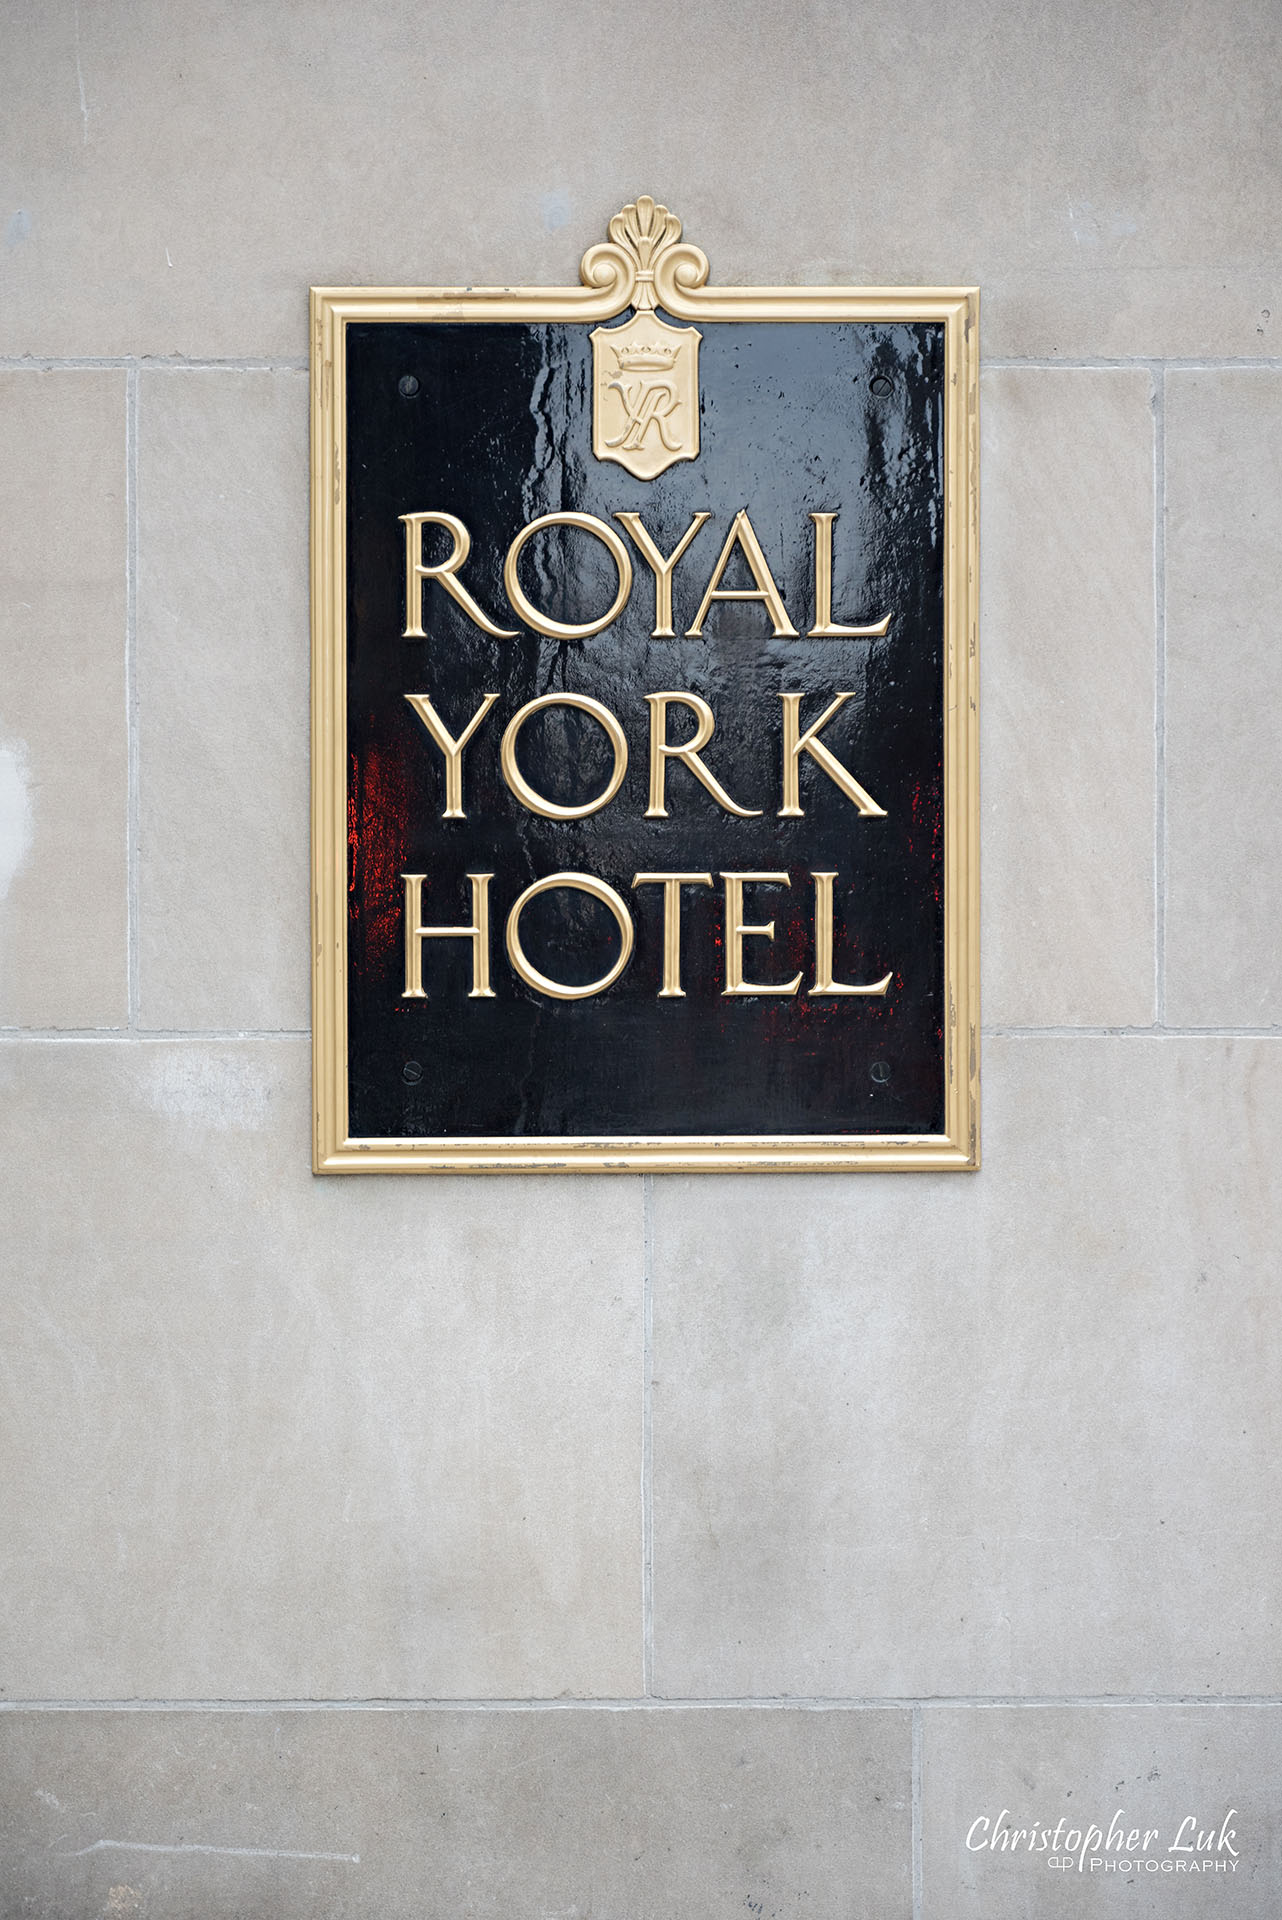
378, 832
353, 837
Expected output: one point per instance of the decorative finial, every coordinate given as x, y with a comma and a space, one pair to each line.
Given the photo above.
645, 230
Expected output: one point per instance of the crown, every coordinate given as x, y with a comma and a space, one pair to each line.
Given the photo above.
646, 354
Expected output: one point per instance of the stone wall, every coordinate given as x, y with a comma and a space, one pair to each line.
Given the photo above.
637, 1548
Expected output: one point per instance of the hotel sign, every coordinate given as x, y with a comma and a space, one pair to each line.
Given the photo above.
644, 722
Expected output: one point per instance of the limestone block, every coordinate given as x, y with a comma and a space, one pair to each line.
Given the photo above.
64, 754
271, 1437
1002, 1435
1201, 1784
1067, 697
436, 1814
223, 689
1223, 697
1109, 175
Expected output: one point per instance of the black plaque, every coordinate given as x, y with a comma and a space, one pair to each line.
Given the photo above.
832, 436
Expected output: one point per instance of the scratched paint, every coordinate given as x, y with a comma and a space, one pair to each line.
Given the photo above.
202, 1087
16, 820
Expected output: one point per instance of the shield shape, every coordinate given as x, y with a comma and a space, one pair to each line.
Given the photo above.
645, 394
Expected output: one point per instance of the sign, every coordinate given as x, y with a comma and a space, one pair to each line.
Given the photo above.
644, 725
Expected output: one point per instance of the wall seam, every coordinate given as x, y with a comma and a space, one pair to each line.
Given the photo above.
1133, 1033
917, 1742
923, 1704
1093, 364
146, 363
1159, 597
46, 1036
131, 696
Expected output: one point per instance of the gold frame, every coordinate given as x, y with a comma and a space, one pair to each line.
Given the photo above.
644, 263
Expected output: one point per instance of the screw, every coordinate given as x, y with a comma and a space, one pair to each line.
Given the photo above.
407, 386
411, 1073
880, 1072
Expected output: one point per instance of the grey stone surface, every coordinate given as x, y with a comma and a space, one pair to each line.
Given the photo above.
177, 176
63, 740
1067, 631
1175, 1773
271, 1438
222, 698
274, 1437
1011, 1434
1224, 694
623, 1815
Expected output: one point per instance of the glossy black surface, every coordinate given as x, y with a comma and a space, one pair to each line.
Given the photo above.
795, 418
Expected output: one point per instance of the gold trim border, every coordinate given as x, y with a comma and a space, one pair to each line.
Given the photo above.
612, 283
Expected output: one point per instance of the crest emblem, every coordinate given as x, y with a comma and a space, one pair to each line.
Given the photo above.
645, 374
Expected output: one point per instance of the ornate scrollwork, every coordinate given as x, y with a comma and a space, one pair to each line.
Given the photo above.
644, 247
611, 273
681, 271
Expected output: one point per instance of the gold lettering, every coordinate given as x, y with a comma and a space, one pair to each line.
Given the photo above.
824, 982
450, 747
823, 628
737, 931
478, 933
672, 884
661, 568
444, 573
741, 531
795, 743
557, 629
661, 753
584, 883
520, 785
